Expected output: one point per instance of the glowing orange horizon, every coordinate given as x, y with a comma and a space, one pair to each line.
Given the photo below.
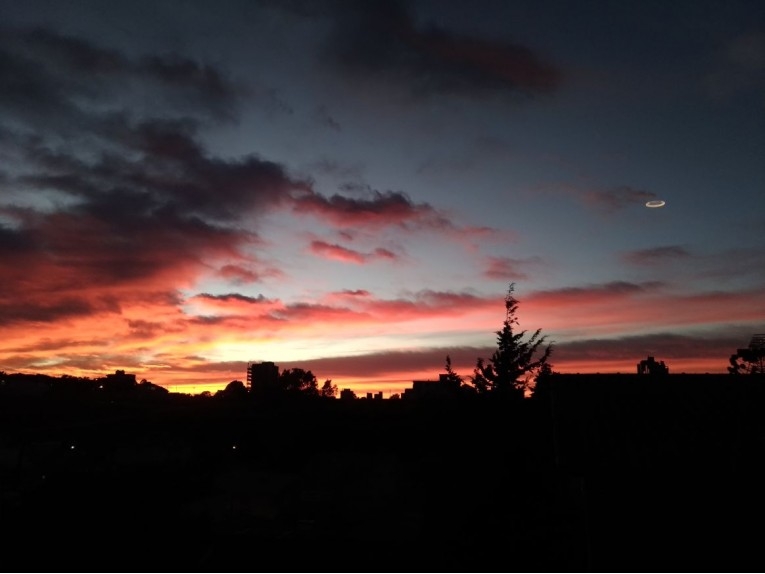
373, 344
398, 382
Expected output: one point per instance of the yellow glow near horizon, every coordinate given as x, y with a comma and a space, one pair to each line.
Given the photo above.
194, 388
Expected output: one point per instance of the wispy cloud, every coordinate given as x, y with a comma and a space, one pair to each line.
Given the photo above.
346, 255
614, 307
618, 198
508, 268
375, 208
655, 255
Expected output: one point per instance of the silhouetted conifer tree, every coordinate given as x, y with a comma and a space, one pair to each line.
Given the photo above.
541, 388
515, 361
450, 370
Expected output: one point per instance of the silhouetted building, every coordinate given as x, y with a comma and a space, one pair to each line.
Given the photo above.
119, 381
756, 349
758, 341
445, 387
262, 376
347, 394
650, 366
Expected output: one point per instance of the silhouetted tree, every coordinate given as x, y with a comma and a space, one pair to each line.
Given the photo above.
453, 376
747, 361
147, 387
233, 390
650, 366
516, 361
541, 385
299, 381
328, 390
463, 389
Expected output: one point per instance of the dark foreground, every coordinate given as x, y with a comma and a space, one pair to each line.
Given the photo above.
638, 480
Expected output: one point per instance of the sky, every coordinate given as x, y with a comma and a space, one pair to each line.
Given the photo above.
350, 187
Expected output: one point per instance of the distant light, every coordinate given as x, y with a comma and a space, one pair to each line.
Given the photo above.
655, 203
71, 447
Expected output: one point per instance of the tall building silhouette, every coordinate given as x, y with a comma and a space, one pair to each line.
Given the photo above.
262, 376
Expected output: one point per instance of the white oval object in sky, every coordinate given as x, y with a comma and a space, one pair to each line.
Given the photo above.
655, 203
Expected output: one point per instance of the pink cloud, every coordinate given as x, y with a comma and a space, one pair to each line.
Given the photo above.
377, 209
346, 255
336, 252
508, 268
238, 274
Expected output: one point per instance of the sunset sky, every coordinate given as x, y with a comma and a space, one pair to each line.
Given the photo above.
349, 187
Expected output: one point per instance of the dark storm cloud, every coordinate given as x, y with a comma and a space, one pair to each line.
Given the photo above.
14, 242
127, 165
105, 195
176, 165
162, 166
115, 191
44, 312
381, 40
45, 74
